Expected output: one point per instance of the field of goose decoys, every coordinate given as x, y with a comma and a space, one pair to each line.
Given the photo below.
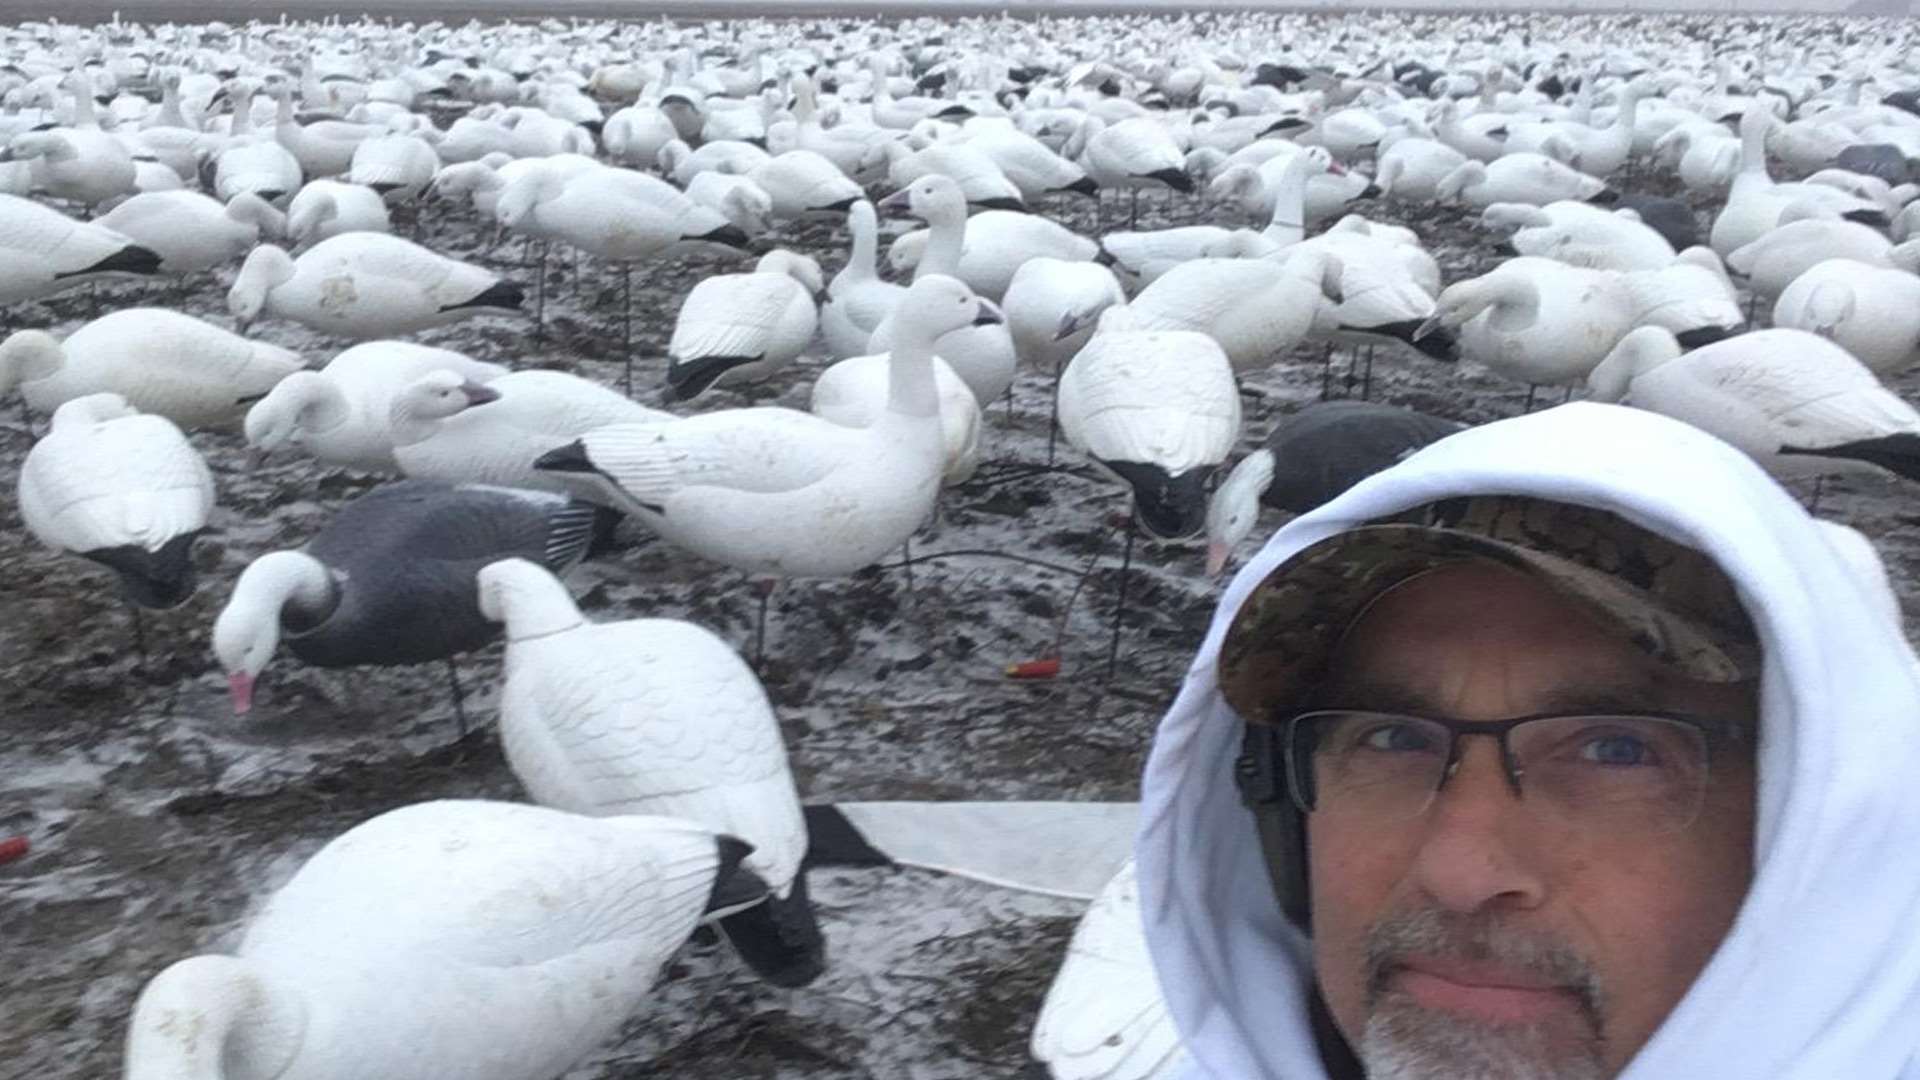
564, 547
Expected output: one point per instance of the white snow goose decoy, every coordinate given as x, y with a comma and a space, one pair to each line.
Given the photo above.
469, 939
983, 355
124, 490
43, 251
1795, 402
160, 362
447, 427
655, 716
857, 300
342, 414
366, 285
737, 328
191, 232
783, 493
1158, 409
1104, 1017
1537, 321
326, 208
1871, 311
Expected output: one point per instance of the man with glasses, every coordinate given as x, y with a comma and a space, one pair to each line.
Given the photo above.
1568, 748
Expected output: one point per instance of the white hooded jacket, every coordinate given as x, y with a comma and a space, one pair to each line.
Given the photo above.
1819, 978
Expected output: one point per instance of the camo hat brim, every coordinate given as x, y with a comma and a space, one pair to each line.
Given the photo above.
1670, 600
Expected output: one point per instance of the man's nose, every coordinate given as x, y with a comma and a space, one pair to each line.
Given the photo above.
1480, 845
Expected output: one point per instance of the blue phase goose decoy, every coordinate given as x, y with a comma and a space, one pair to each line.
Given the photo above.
1312, 457
366, 285
785, 493
389, 579
448, 940
161, 362
43, 251
655, 716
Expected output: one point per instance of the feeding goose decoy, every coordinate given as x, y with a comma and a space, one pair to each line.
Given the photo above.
655, 716
1312, 457
366, 285
327, 208
1795, 402
124, 490
1581, 234
738, 328
191, 232
1255, 309
1873, 312
159, 362
1131, 154
1043, 293
1773, 260
43, 251
1537, 321
448, 940
1160, 411
1523, 177
389, 580
1692, 296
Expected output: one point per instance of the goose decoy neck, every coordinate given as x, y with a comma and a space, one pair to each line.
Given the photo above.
206, 1012
528, 599
28, 356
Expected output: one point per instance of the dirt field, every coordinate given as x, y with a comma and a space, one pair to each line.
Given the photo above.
158, 819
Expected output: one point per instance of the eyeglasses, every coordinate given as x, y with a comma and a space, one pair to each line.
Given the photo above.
1644, 772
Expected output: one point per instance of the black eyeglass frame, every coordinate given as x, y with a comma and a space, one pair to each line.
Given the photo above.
1715, 733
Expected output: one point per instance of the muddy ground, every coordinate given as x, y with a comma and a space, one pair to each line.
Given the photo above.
158, 820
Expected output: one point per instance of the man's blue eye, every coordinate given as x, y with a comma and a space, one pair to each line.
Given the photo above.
1618, 750
1398, 738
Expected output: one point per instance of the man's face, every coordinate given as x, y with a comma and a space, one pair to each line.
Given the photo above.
1485, 938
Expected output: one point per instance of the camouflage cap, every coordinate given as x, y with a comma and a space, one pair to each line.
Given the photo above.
1670, 599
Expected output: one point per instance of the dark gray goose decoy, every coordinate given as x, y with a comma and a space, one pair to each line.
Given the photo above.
390, 580
1310, 459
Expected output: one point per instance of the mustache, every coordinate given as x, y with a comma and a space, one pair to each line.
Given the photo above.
1481, 939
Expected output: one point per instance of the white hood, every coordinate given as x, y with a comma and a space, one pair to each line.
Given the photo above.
1819, 979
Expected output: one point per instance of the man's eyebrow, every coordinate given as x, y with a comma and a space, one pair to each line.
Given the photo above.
1632, 695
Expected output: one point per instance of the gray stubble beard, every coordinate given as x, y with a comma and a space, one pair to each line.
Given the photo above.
1403, 1041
